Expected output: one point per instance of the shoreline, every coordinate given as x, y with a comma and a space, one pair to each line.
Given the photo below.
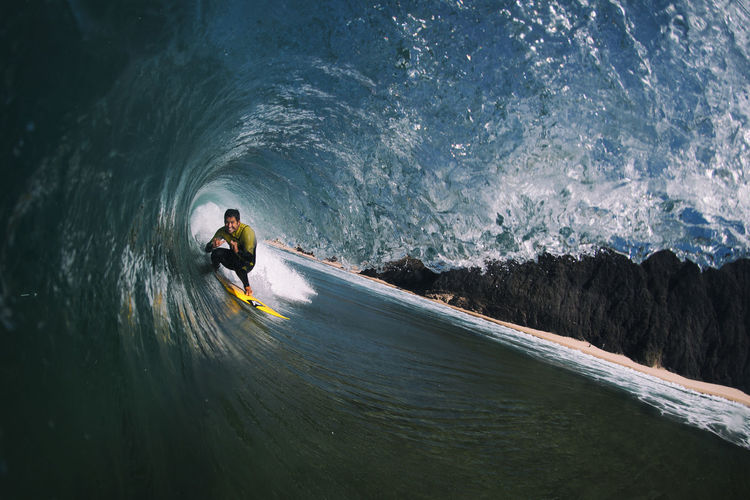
722, 391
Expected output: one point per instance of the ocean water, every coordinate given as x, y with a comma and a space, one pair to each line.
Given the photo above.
450, 131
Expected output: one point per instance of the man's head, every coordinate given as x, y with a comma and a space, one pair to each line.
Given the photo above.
232, 220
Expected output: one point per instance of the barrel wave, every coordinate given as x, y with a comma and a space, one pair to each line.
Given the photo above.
454, 132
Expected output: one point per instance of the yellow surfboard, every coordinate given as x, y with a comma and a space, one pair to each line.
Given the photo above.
248, 299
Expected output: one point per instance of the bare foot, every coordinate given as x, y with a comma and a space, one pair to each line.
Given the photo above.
248, 290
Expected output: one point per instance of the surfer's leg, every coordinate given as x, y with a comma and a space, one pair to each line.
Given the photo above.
225, 257
218, 257
242, 271
230, 260
242, 275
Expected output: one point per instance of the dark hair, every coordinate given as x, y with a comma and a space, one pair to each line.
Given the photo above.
232, 212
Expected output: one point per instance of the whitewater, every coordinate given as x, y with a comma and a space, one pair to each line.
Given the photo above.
454, 132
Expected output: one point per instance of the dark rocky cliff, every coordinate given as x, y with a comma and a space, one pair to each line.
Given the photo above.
662, 312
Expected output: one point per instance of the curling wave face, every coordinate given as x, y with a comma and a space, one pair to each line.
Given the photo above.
453, 132
456, 133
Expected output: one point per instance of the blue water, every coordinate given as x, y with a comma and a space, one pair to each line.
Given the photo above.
450, 131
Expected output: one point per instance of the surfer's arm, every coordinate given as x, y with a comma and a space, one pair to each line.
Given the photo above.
241, 252
215, 241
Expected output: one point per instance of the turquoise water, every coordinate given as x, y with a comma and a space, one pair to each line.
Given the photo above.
452, 131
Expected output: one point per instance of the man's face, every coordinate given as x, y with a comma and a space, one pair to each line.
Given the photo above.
231, 224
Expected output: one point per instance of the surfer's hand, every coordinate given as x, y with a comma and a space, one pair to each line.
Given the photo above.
216, 242
234, 247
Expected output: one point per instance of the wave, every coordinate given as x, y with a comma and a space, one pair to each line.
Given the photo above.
451, 131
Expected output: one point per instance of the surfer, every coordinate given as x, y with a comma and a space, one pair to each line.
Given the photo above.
240, 256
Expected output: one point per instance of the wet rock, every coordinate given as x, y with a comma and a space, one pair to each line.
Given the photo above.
303, 251
662, 312
408, 273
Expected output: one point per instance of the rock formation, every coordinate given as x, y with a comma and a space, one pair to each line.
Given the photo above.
662, 312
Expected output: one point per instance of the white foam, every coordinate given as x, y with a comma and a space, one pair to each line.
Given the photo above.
204, 221
273, 275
